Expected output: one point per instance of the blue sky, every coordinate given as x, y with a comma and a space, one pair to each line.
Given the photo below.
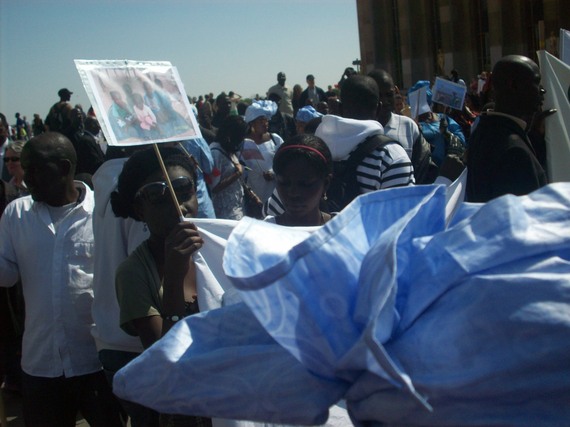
216, 45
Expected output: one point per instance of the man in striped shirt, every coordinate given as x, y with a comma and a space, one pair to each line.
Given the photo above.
386, 166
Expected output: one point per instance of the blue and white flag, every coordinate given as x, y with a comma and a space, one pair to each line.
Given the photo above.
412, 321
556, 81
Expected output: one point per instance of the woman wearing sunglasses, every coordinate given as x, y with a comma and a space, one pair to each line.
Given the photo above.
156, 284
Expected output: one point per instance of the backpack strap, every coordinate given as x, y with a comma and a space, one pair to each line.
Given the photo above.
224, 153
366, 147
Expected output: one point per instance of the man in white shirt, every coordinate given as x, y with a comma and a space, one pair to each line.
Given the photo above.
46, 241
403, 129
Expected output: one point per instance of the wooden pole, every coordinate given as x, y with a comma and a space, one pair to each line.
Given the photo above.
167, 179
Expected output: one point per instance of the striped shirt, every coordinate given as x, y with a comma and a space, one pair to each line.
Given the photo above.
385, 167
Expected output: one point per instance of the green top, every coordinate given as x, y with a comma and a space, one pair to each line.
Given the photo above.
139, 288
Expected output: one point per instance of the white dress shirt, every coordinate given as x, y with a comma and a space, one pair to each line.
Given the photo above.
56, 270
404, 130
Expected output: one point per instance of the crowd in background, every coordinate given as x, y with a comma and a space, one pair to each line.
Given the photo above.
273, 157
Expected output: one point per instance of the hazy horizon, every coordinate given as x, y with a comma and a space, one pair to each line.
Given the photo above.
216, 45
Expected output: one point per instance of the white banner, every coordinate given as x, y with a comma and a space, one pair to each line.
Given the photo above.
556, 81
564, 46
418, 102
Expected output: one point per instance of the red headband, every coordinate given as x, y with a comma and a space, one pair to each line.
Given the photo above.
304, 147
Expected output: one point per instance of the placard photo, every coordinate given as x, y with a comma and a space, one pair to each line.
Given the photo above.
448, 93
138, 102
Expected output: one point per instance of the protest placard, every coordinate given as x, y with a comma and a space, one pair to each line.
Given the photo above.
138, 102
449, 93
418, 102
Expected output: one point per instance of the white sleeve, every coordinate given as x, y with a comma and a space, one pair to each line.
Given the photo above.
9, 272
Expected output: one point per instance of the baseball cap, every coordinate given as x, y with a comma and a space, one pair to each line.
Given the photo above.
64, 91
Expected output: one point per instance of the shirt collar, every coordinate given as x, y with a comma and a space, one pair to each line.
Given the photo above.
517, 120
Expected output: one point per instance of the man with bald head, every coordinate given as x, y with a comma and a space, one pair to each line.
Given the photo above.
46, 241
501, 159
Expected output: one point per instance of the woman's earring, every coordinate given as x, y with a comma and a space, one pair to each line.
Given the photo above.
325, 196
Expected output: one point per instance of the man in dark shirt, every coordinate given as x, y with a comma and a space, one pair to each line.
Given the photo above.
501, 159
57, 119
313, 94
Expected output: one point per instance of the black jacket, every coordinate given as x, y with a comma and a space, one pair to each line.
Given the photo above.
501, 160
305, 96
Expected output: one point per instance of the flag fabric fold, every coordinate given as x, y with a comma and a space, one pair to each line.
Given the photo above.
411, 321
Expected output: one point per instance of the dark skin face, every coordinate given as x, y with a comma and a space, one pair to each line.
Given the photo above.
224, 105
260, 125
161, 218
518, 90
281, 79
301, 188
48, 176
387, 99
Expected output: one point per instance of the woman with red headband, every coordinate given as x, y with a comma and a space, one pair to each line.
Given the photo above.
303, 171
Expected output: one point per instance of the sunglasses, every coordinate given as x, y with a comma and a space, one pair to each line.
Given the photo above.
11, 159
157, 192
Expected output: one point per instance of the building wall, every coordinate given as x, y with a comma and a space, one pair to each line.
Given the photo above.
404, 37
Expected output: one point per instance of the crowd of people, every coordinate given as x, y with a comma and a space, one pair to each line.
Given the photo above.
94, 247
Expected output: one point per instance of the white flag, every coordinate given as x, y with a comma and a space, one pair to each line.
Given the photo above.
418, 102
564, 46
556, 81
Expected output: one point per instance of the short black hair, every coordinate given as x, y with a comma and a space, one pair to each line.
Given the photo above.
137, 169
322, 163
381, 77
231, 133
55, 146
241, 107
360, 91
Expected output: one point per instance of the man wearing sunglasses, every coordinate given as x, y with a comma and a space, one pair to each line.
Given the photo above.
46, 241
